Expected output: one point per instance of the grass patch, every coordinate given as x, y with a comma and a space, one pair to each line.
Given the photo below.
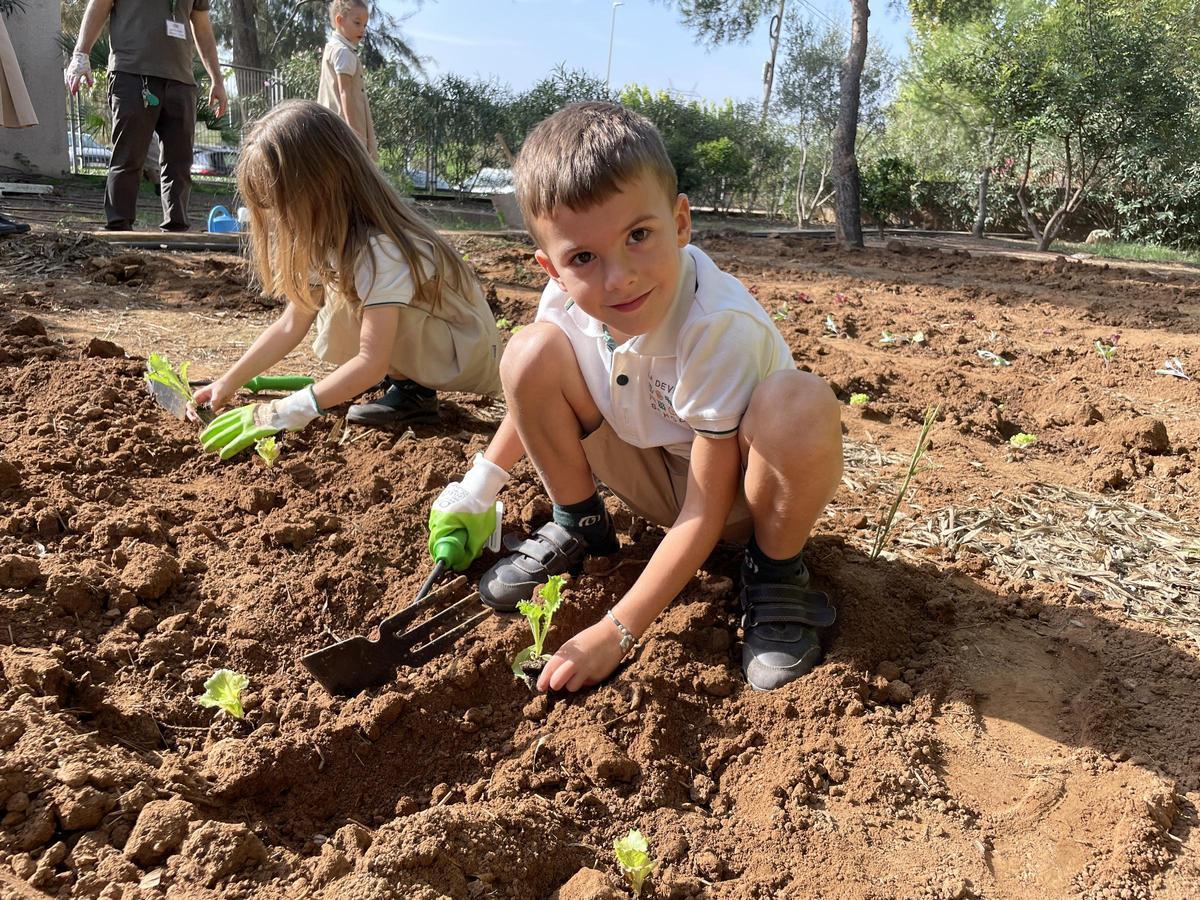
1129, 250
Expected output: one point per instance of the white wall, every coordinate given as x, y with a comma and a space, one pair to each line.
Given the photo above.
43, 148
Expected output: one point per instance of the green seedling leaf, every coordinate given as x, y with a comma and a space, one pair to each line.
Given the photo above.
633, 857
159, 369
782, 313
1108, 352
267, 450
919, 338
1021, 440
832, 327
517, 328
859, 399
539, 616
1174, 368
503, 323
224, 691
994, 358
885, 523
889, 338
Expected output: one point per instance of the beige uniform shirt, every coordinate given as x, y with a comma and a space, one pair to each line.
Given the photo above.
341, 58
453, 347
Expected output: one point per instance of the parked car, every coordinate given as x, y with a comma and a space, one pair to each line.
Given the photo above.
91, 153
489, 180
420, 180
214, 162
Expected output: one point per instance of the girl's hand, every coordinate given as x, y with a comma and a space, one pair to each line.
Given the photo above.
586, 659
215, 396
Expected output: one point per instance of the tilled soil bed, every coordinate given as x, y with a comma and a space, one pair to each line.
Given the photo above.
1008, 707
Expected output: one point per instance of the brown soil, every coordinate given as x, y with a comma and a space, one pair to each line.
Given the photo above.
976, 730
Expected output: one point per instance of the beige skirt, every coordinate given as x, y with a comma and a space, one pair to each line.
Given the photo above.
16, 109
429, 350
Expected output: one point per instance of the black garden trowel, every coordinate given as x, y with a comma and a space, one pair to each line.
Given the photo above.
413, 636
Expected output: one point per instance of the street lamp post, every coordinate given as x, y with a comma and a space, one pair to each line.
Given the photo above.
612, 28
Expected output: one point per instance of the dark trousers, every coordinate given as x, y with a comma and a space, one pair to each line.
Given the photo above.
134, 125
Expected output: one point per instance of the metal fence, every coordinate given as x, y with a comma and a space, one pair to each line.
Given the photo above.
251, 92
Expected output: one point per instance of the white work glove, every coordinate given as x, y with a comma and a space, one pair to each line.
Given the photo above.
79, 69
290, 413
469, 505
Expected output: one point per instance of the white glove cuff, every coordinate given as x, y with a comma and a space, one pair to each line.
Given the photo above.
296, 410
80, 63
485, 480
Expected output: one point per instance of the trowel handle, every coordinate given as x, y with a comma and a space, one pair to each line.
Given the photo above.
277, 383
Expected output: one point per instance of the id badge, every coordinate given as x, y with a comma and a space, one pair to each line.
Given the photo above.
176, 29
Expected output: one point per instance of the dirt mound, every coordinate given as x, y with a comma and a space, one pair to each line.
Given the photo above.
972, 732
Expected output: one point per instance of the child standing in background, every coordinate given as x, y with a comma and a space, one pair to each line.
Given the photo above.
341, 88
389, 297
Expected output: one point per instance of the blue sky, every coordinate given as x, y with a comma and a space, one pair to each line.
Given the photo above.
520, 41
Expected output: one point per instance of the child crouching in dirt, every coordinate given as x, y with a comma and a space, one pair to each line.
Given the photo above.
653, 371
390, 298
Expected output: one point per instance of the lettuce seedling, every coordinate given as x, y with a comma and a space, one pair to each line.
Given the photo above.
159, 369
267, 450
1174, 368
859, 399
1108, 352
539, 615
633, 856
224, 691
994, 358
832, 327
918, 338
889, 338
782, 313
1021, 440
503, 323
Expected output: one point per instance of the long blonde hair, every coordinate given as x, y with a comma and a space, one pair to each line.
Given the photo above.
315, 200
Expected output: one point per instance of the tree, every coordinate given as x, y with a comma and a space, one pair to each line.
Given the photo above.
845, 162
718, 22
808, 101
1078, 83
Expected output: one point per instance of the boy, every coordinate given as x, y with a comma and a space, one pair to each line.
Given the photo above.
659, 374
341, 88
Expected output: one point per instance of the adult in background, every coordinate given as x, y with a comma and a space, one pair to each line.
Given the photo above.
16, 110
151, 89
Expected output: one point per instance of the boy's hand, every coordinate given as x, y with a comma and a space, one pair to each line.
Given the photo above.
232, 432
469, 505
588, 658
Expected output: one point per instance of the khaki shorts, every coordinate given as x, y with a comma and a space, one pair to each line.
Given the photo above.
652, 482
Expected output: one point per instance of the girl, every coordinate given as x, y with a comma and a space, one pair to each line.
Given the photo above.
390, 298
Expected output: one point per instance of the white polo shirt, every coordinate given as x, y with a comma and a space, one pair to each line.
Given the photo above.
693, 374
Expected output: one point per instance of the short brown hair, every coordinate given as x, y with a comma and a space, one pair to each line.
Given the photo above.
579, 157
341, 7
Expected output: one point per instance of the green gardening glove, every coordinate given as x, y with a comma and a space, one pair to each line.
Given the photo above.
466, 507
233, 431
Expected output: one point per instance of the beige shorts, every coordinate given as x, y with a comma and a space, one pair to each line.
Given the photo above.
652, 482
429, 350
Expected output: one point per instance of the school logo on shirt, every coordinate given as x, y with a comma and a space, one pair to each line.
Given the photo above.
661, 395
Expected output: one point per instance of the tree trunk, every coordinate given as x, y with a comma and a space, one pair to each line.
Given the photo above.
985, 175
845, 164
246, 51
801, 218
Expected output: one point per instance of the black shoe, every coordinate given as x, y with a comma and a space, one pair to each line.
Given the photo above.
402, 403
8, 226
551, 550
779, 622
119, 226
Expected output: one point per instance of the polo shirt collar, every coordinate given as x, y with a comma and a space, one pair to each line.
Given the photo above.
661, 340
337, 36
